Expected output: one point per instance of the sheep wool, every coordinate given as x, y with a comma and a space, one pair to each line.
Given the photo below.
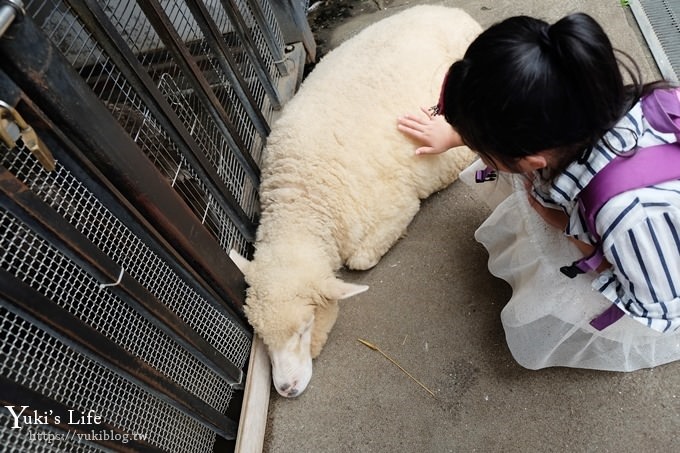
340, 183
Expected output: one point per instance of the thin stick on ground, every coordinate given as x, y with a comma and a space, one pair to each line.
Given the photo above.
375, 348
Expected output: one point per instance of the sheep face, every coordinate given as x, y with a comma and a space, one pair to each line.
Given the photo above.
294, 328
289, 346
293, 320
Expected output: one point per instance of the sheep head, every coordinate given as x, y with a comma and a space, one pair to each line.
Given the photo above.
293, 319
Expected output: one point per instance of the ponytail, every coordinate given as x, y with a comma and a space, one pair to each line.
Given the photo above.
585, 56
525, 86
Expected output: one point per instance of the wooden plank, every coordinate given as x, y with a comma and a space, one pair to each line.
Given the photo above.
253, 421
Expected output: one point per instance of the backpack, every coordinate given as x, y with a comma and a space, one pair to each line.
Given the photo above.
646, 167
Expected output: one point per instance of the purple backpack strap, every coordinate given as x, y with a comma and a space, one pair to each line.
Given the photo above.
662, 110
488, 174
646, 167
607, 317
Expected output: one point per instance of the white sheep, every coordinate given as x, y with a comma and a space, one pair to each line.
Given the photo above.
340, 183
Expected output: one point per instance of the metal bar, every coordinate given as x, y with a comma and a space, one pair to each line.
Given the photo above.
36, 308
231, 8
23, 203
68, 420
228, 64
159, 20
294, 10
98, 23
46, 77
270, 40
11, 94
9, 12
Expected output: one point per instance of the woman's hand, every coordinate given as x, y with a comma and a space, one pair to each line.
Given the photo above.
433, 132
553, 217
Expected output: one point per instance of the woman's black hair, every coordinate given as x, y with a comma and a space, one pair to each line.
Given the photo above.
525, 86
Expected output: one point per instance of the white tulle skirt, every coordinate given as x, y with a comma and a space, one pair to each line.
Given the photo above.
546, 320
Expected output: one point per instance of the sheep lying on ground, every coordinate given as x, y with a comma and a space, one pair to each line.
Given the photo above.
340, 184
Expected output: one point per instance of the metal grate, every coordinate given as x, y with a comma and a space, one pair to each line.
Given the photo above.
69, 34
70, 198
36, 439
659, 21
48, 271
43, 364
259, 37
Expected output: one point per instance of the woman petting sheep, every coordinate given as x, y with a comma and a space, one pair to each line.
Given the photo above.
548, 104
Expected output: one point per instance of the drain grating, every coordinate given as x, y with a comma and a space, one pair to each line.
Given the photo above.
659, 21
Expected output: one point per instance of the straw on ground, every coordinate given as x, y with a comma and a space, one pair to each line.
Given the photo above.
375, 348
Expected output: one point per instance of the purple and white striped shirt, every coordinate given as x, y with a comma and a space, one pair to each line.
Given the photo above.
640, 228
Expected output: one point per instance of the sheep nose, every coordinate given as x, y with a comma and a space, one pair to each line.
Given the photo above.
289, 390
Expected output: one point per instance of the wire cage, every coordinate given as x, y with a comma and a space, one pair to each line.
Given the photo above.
221, 135
121, 322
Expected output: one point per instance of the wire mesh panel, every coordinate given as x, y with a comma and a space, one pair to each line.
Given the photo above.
116, 310
659, 21
42, 266
41, 363
144, 41
68, 286
219, 143
37, 439
233, 41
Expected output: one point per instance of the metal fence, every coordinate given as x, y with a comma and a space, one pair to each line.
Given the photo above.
121, 322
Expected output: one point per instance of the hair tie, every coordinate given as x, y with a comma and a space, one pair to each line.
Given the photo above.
439, 108
460, 65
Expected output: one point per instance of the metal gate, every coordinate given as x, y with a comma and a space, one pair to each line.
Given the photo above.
131, 137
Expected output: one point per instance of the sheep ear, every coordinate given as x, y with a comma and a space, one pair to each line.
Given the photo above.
336, 289
241, 262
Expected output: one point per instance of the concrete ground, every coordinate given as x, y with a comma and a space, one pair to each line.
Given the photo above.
434, 308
